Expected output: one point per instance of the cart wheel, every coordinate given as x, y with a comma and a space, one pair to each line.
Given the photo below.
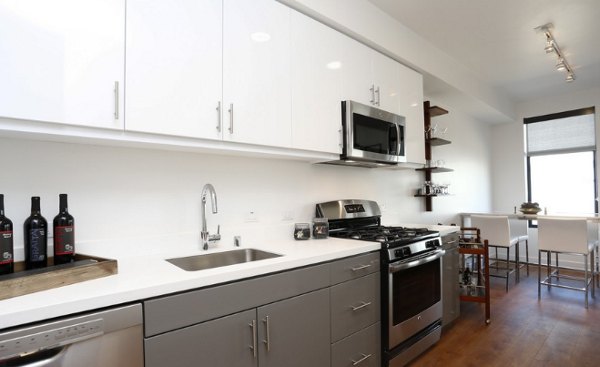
487, 322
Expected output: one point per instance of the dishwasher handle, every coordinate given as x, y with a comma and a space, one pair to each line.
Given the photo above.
42, 358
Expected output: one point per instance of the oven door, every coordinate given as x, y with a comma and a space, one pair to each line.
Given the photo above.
414, 296
372, 134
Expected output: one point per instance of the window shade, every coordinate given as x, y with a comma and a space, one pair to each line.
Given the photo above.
576, 133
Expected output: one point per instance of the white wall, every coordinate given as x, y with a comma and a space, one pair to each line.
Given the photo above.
120, 193
508, 144
508, 162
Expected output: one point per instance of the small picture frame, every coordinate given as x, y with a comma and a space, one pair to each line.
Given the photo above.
301, 231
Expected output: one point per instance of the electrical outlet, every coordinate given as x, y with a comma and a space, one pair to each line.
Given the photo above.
251, 216
287, 216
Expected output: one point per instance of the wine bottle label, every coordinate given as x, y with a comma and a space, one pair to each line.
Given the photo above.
6, 247
37, 249
64, 240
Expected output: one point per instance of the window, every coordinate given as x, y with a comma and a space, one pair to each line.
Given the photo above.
561, 161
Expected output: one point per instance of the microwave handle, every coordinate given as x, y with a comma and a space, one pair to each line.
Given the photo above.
400, 142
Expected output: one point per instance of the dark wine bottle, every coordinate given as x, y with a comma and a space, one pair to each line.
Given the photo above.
36, 237
64, 233
6, 242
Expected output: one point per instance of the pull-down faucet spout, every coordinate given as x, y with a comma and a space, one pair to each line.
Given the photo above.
206, 237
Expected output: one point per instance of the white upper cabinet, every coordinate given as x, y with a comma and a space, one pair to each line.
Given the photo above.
357, 81
62, 61
411, 107
370, 77
174, 67
316, 85
388, 86
256, 72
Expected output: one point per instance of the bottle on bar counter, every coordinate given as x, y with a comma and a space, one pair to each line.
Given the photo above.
64, 233
36, 237
6, 242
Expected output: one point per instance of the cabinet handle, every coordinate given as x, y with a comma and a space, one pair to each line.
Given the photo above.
231, 118
361, 267
364, 358
219, 116
268, 340
451, 242
378, 96
253, 346
341, 138
372, 89
363, 305
116, 100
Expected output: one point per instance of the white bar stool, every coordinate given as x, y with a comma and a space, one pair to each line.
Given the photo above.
565, 236
519, 228
496, 229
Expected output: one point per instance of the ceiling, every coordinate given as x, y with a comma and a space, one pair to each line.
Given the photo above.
497, 42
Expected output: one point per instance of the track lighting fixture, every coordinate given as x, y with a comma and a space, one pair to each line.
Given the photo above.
552, 47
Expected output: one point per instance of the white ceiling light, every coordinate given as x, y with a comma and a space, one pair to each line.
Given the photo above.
549, 46
552, 47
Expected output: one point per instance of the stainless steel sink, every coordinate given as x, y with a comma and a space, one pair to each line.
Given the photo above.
218, 259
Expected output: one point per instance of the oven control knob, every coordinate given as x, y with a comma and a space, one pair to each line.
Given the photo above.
431, 244
402, 252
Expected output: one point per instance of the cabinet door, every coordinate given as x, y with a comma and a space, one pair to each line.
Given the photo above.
62, 61
316, 85
174, 63
450, 286
256, 72
411, 107
357, 84
386, 76
227, 341
295, 332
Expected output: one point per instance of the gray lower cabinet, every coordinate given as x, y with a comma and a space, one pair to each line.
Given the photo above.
450, 286
295, 332
318, 316
354, 306
226, 341
359, 349
355, 312
292, 333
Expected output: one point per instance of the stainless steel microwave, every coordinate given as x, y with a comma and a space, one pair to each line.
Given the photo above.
371, 137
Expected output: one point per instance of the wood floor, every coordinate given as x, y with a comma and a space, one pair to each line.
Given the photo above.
555, 331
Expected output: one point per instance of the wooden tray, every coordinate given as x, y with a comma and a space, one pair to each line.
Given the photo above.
29, 281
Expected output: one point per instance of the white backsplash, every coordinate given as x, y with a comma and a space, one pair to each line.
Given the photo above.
119, 193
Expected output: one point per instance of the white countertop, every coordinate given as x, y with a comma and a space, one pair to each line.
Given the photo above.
148, 275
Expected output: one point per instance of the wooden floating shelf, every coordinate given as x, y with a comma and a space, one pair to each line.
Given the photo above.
438, 141
437, 111
84, 268
435, 169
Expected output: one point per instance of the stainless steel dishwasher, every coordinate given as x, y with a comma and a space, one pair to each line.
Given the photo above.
110, 337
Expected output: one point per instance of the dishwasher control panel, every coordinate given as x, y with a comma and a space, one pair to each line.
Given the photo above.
51, 338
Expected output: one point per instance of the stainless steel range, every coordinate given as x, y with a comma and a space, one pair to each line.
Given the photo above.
411, 276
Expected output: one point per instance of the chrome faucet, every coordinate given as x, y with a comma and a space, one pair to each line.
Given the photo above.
206, 237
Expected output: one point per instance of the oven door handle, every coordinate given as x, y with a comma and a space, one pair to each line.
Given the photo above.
411, 264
